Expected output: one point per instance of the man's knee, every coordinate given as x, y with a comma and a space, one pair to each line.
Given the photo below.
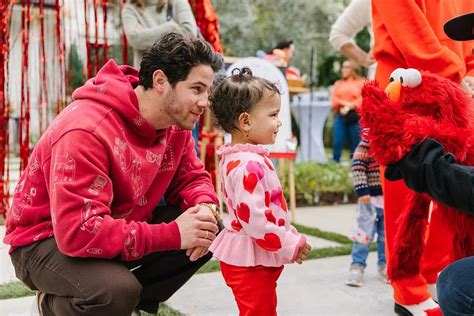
120, 295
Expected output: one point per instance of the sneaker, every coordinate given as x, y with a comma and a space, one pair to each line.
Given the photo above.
356, 275
382, 270
39, 301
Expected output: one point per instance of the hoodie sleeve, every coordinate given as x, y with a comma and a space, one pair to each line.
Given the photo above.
261, 210
81, 194
191, 183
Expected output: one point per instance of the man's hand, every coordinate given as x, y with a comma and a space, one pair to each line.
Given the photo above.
197, 252
197, 227
303, 253
365, 199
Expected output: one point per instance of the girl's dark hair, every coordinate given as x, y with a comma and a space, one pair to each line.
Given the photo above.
238, 94
176, 55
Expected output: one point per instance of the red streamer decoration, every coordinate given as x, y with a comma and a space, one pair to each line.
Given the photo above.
5, 15
24, 132
96, 42
43, 104
124, 42
206, 20
88, 44
105, 55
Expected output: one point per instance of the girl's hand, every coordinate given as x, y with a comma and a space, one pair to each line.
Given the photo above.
303, 253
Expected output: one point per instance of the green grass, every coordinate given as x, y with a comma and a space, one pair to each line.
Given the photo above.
18, 289
164, 310
14, 290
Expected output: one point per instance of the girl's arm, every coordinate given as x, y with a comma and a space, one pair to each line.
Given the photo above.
261, 210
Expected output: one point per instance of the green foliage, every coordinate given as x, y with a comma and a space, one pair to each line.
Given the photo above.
76, 70
250, 25
313, 179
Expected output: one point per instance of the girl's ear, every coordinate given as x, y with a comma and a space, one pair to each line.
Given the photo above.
160, 80
244, 122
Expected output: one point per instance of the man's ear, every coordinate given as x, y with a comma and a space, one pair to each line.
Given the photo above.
244, 122
160, 80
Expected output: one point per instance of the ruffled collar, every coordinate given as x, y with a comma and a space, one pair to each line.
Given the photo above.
229, 149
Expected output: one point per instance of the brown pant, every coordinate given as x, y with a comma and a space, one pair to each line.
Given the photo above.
89, 286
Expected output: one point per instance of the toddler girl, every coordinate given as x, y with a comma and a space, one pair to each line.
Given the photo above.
257, 239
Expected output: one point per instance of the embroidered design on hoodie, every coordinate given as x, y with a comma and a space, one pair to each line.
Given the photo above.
44, 231
168, 163
139, 120
64, 169
98, 185
132, 166
152, 157
131, 244
95, 251
34, 166
90, 222
23, 200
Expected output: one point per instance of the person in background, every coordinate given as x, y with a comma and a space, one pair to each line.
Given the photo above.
258, 238
366, 179
345, 98
409, 34
281, 55
146, 21
84, 228
356, 16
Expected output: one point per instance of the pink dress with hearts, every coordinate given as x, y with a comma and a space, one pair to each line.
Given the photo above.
257, 229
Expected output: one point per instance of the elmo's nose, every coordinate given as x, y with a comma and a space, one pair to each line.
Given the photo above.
393, 90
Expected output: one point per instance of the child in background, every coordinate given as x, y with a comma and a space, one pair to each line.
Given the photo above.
366, 178
257, 239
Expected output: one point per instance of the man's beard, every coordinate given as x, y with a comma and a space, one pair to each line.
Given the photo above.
175, 111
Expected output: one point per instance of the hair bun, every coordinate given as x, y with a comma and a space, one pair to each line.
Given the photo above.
242, 72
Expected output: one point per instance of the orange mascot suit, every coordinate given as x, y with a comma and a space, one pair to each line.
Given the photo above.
409, 33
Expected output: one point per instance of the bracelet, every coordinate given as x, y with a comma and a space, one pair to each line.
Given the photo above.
214, 209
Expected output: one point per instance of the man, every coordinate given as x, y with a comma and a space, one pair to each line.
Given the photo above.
84, 229
409, 34
429, 169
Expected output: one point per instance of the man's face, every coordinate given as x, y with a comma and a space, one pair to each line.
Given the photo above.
185, 103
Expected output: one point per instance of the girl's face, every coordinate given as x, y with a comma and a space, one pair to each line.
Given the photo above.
264, 121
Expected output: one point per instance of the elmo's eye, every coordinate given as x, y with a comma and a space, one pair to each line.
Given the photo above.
412, 78
408, 77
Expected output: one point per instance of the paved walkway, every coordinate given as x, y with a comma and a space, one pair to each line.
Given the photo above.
314, 288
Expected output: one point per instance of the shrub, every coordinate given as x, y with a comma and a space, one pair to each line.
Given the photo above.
313, 181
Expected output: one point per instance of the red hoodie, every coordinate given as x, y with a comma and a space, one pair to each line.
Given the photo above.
96, 175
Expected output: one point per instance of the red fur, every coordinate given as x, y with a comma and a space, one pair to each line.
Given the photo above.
438, 109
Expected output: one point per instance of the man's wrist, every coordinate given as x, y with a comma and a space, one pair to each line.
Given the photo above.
214, 209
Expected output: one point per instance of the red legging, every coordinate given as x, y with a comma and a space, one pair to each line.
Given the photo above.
254, 288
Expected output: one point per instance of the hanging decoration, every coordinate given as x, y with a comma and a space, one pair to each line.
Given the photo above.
24, 131
206, 20
5, 15
34, 79
43, 97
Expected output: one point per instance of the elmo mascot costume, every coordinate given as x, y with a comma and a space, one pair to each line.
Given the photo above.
413, 107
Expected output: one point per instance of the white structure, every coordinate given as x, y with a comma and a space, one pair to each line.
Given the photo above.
72, 33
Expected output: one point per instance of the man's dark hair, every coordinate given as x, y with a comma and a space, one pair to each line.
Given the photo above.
176, 55
237, 94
